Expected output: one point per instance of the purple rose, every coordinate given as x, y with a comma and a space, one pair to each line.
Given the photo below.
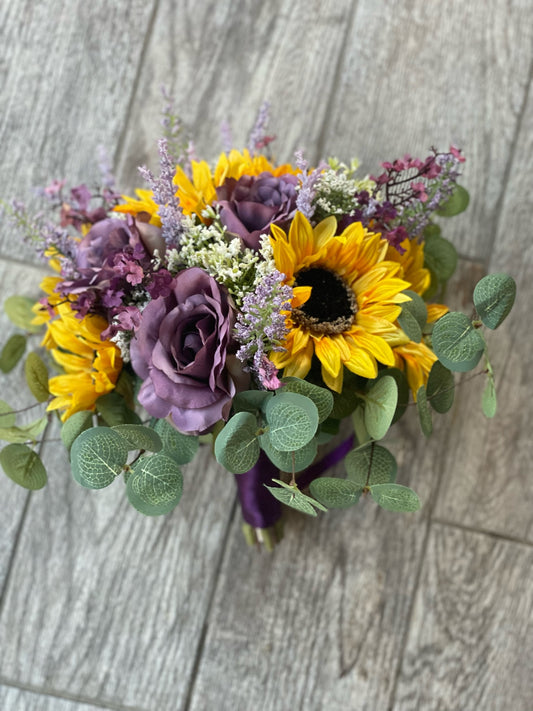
251, 204
105, 239
180, 350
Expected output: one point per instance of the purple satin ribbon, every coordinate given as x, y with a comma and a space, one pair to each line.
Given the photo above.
259, 508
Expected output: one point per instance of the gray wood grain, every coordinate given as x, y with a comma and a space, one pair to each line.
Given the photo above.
67, 73
490, 484
417, 74
12, 699
220, 60
319, 623
105, 603
470, 644
14, 391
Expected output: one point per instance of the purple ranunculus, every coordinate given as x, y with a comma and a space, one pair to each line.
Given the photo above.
104, 239
249, 205
180, 350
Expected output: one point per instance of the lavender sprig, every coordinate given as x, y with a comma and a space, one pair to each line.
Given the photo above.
258, 138
307, 190
164, 195
261, 327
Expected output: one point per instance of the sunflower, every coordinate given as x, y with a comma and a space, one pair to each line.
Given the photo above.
199, 191
91, 366
347, 296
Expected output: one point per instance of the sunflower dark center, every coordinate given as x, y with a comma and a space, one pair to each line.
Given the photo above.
332, 305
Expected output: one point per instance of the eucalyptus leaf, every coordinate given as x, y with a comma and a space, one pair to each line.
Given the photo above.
394, 497
113, 409
494, 296
12, 352
251, 400
410, 325
345, 402
75, 425
293, 497
140, 437
322, 397
303, 457
292, 421
237, 445
180, 447
456, 343
335, 493
155, 485
424, 413
416, 307
440, 388
456, 203
36, 374
403, 390
371, 465
380, 406
440, 257
7, 415
23, 466
488, 399
19, 311
97, 456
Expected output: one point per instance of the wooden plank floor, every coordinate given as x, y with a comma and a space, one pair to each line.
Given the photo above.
101, 608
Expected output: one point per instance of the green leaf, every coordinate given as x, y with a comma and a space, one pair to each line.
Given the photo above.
23, 466
36, 374
322, 397
75, 425
155, 485
345, 402
414, 316
251, 400
440, 257
424, 413
409, 326
125, 387
140, 437
97, 456
374, 463
394, 497
24, 432
403, 390
440, 388
113, 410
380, 406
12, 352
456, 343
456, 203
488, 398
7, 415
284, 460
19, 311
494, 296
335, 493
292, 421
293, 497
237, 445
180, 447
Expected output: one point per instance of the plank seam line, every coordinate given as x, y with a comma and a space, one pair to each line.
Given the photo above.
147, 38
498, 211
203, 636
53, 694
423, 553
483, 532
336, 81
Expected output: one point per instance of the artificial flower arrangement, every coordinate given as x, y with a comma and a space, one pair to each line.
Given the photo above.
252, 306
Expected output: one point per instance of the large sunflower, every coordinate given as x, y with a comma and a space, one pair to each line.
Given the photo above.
347, 296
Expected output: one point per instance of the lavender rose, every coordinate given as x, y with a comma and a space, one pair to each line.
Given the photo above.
180, 350
103, 240
251, 204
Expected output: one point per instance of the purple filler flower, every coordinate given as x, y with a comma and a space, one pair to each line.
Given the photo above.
180, 350
251, 204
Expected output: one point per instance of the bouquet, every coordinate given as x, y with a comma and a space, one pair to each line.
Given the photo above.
254, 307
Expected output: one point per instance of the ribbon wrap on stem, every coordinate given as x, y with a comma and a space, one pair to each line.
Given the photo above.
259, 508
